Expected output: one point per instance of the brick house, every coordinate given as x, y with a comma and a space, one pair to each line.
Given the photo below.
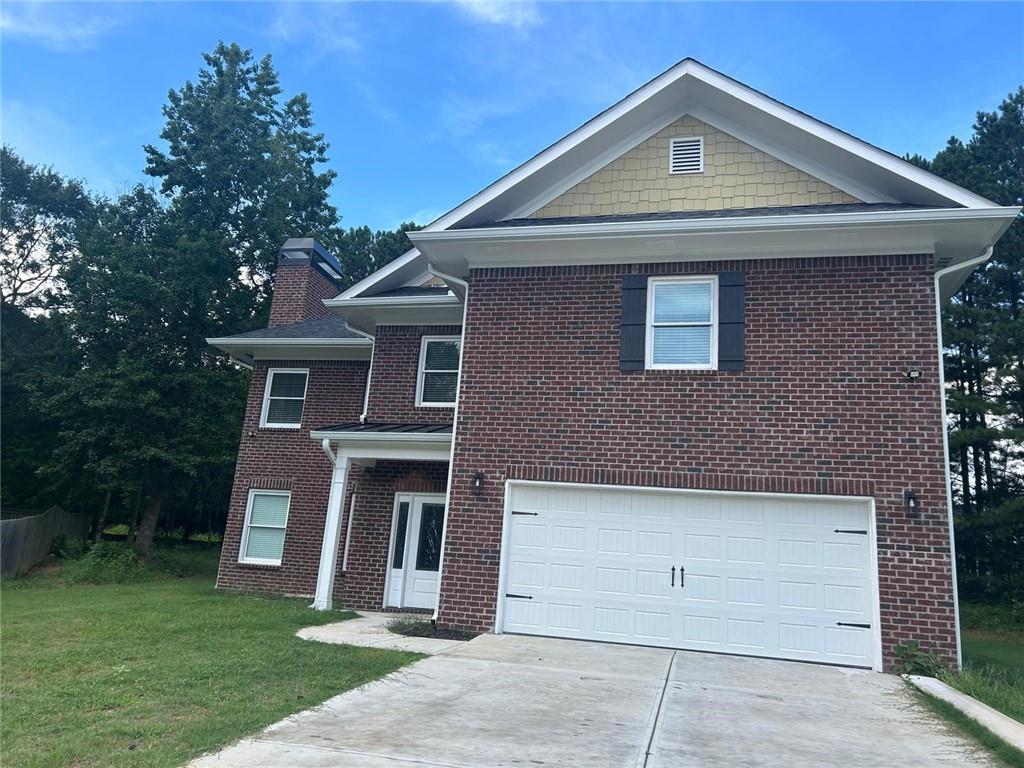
674, 381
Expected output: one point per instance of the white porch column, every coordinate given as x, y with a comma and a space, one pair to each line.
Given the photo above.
332, 531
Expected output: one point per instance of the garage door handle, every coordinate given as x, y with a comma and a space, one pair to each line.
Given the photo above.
682, 577
851, 624
519, 597
673, 582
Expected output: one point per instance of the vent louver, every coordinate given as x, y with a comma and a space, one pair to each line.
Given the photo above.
686, 155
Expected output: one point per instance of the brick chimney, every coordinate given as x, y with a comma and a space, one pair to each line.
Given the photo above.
306, 274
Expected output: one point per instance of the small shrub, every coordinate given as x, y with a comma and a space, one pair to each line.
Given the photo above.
107, 562
68, 547
911, 659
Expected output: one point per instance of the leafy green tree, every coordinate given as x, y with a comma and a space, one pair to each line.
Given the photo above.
240, 170
39, 212
148, 410
983, 330
362, 251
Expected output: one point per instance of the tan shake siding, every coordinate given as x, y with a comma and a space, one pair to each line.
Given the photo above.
735, 176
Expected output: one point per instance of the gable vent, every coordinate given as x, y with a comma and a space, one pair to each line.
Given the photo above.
686, 155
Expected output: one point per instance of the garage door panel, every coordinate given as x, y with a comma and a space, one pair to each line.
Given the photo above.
763, 576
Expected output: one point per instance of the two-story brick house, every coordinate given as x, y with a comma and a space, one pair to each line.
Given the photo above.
674, 381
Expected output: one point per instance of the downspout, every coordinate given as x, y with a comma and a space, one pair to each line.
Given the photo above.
455, 422
985, 256
369, 372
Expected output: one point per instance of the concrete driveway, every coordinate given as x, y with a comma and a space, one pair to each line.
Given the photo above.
519, 701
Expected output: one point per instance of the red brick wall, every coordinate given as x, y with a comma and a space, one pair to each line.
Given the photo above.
361, 585
288, 459
396, 359
299, 291
822, 407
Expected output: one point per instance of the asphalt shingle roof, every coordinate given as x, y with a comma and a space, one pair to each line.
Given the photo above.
320, 328
727, 213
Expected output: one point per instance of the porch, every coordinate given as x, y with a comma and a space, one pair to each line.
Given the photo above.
384, 529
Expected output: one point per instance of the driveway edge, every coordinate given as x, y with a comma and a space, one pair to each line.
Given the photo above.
1003, 726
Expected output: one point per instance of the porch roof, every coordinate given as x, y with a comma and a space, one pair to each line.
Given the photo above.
387, 440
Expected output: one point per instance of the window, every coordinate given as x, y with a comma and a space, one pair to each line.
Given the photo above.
439, 371
686, 155
266, 517
682, 322
284, 398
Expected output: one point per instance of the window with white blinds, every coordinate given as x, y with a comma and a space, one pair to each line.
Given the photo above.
682, 322
266, 519
439, 371
284, 398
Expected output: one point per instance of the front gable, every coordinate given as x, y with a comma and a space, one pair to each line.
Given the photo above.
734, 175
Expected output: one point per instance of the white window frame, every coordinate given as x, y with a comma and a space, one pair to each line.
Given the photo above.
421, 372
651, 325
266, 399
700, 149
253, 492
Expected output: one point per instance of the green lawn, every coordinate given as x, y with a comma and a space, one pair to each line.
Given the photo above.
156, 672
993, 651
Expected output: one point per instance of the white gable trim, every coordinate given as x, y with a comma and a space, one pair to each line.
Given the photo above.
688, 87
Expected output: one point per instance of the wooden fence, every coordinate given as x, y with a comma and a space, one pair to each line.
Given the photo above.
25, 541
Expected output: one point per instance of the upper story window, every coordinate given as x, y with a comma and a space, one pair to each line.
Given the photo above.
438, 371
266, 519
682, 322
284, 398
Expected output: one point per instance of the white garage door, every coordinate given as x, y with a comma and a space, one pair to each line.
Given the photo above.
786, 577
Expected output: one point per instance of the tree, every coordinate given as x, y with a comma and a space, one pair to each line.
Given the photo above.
983, 331
147, 410
240, 172
39, 215
362, 251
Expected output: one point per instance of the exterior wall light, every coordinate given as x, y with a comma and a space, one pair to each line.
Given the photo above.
911, 503
478, 484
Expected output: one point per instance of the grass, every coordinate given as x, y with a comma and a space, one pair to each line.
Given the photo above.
1003, 752
155, 672
993, 652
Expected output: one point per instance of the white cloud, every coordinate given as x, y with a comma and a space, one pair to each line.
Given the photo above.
58, 26
319, 28
462, 116
518, 14
43, 137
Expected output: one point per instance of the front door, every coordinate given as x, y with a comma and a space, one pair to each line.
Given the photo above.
415, 555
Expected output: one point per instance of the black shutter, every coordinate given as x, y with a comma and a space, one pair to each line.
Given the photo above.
632, 344
732, 321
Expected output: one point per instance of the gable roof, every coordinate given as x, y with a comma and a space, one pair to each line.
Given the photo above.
864, 171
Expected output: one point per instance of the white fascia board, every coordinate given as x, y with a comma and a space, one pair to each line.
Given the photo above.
841, 139
363, 314
718, 224
250, 350
395, 268
384, 446
952, 235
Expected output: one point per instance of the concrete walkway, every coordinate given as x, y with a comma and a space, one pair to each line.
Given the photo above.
370, 630
515, 701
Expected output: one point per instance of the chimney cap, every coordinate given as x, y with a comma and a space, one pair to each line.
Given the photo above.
298, 248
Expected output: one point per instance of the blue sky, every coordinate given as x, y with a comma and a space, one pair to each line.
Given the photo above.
426, 103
